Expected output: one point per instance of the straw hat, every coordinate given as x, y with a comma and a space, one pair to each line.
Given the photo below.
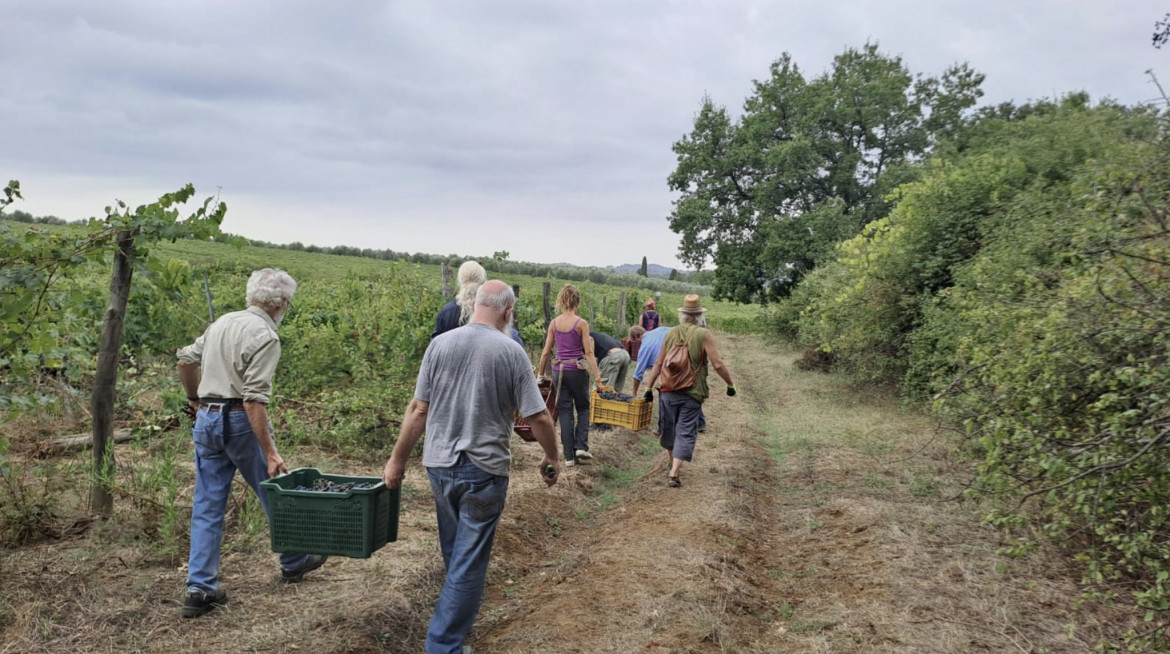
691, 305
650, 303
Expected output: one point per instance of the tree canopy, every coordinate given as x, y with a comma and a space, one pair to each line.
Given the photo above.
809, 162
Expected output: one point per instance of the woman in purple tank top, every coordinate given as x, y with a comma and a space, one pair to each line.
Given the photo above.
571, 366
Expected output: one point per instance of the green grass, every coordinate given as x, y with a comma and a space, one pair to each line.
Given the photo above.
600, 299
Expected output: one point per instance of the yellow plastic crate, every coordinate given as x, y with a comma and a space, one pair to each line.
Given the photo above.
634, 414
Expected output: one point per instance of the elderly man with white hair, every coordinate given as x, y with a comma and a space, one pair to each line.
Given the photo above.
237, 356
472, 382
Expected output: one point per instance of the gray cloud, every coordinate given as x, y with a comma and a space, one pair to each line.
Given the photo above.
418, 121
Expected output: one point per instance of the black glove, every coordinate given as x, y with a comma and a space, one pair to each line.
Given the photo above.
730, 391
648, 395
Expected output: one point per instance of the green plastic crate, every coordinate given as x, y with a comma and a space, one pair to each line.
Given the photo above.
355, 523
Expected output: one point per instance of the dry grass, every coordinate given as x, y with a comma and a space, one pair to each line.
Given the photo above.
815, 518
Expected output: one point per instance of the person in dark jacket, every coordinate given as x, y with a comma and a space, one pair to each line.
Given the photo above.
457, 312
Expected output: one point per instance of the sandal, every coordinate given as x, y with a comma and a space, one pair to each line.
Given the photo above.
674, 482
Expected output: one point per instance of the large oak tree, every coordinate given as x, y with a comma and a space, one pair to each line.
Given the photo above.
807, 164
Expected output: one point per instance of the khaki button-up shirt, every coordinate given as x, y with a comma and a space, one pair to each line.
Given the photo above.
237, 355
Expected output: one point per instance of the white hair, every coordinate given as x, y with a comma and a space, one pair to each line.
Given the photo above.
471, 276
268, 288
699, 319
500, 300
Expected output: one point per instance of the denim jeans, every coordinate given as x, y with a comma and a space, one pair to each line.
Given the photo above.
468, 504
217, 457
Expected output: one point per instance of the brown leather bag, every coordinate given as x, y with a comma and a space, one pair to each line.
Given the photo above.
677, 372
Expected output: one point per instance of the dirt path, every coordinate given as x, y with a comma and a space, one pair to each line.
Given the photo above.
814, 518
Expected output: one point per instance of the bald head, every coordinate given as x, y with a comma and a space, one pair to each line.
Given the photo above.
494, 302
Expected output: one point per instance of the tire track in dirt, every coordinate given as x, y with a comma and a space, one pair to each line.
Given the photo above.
812, 520
666, 570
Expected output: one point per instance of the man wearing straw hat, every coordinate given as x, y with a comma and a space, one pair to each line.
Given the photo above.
681, 409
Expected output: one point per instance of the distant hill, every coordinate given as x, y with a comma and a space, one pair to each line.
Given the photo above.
652, 269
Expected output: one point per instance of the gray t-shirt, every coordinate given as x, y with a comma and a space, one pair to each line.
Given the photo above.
475, 379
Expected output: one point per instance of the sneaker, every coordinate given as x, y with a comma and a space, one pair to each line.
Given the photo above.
570, 463
199, 603
583, 454
298, 573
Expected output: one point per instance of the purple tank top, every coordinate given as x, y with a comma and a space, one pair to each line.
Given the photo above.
569, 347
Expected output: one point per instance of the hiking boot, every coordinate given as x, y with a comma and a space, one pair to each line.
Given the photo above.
584, 454
296, 574
199, 603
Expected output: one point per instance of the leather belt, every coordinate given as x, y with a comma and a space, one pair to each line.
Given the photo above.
221, 407
214, 404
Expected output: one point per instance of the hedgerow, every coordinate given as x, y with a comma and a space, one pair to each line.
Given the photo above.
1023, 283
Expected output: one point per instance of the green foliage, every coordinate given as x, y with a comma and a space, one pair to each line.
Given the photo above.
51, 299
644, 270
11, 194
31, 497
809, 163
353, 348
1023, 282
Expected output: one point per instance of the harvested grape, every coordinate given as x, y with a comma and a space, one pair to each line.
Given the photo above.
322, 485
615, 396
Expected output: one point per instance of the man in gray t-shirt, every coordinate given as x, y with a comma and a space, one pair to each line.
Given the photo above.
473, 381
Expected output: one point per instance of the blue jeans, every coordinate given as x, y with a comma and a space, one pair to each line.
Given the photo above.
217, 457
468, 504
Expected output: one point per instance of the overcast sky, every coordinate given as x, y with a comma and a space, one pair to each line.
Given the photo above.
539, 127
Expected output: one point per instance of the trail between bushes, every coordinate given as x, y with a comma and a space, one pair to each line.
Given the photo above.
814, 518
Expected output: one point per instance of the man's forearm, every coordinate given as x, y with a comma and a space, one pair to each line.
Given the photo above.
408, 437
724, 373
544, 433
413, 424
189, 377
258, 418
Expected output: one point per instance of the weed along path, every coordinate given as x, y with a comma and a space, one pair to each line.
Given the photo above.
815, 518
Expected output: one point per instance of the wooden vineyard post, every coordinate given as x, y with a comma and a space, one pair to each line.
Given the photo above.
446, 280
207, 293
101, 499
546, 290
621, 317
